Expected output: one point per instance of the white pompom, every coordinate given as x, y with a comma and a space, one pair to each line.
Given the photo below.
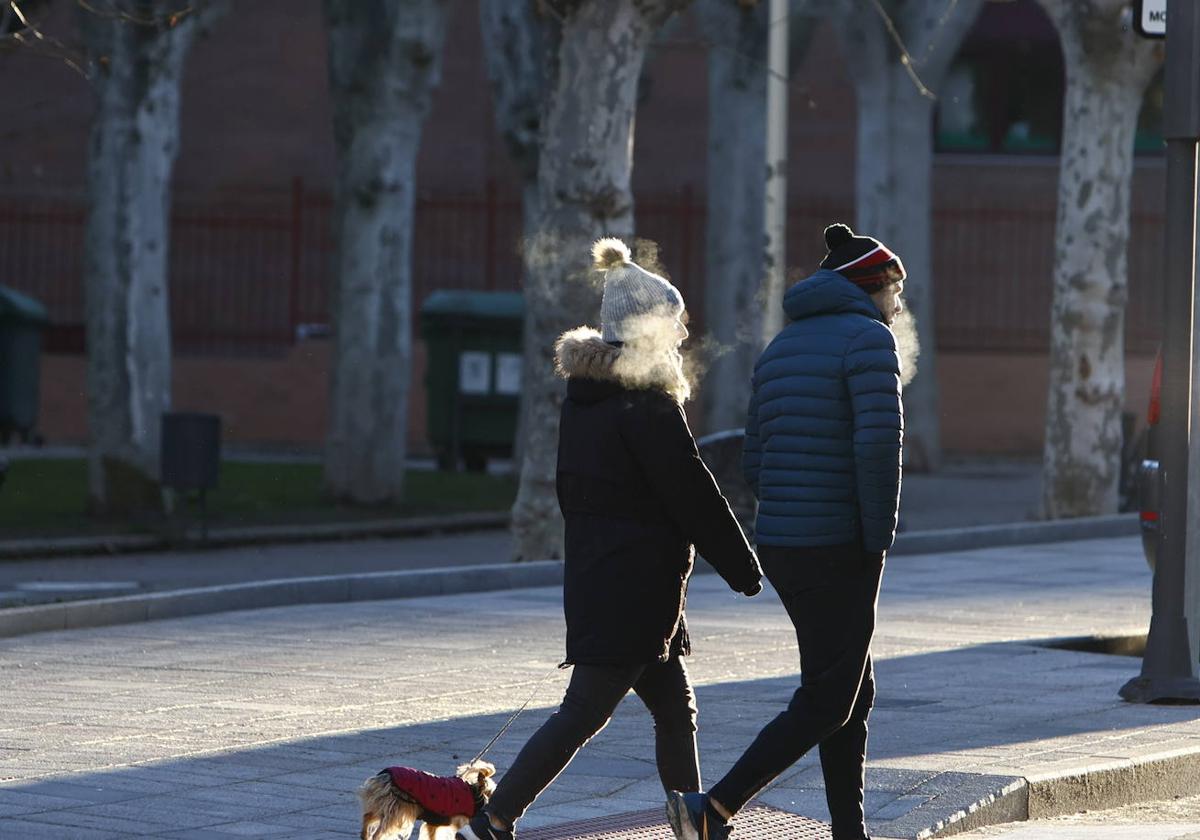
610, 252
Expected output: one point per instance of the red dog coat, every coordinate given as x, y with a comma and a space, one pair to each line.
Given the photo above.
439, 796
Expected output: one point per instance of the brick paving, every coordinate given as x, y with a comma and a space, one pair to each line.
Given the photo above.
262, 723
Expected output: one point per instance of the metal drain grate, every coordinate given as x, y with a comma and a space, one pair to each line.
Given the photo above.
757, 822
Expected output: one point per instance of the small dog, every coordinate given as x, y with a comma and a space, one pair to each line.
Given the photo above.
395, 798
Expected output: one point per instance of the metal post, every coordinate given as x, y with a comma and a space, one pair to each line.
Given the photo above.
775, 217
1171, 666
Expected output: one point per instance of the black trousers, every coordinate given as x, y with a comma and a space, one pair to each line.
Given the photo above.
831, 596
591, 697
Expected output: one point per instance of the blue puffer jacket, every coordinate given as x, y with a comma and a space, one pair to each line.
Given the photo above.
825, 424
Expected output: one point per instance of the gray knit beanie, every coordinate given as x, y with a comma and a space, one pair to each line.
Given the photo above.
630, 290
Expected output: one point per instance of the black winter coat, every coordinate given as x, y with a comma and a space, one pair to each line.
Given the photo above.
636, 497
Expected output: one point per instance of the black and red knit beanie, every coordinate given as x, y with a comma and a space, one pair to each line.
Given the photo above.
865, 262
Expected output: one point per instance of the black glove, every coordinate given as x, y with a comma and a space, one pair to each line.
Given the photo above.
753, 590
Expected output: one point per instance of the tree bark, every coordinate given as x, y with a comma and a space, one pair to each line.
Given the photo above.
894, 168
584, 193
384, 62
1108, 69
735, 242
520, 47
530, 214
135, 69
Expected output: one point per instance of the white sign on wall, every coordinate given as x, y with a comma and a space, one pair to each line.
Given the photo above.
474, 372
1150, 18
508, 373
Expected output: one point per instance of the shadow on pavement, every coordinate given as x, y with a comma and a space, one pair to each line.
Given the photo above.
950, 729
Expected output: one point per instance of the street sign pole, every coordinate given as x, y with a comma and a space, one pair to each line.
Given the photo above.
1171, 666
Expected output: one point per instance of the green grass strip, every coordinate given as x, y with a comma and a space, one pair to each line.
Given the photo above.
49, 496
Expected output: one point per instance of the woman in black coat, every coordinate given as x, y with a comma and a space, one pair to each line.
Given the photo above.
636, 498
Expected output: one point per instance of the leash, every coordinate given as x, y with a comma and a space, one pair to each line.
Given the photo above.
537, 687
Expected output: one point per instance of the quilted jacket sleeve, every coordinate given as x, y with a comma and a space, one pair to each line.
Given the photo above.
659, 437
872, 371
752, 445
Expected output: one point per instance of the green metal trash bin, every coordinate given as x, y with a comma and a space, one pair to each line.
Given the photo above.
22, 320
473, 375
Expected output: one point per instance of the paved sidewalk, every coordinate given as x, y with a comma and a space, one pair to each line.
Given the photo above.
262, 723
163, 570
964, 494
997, 495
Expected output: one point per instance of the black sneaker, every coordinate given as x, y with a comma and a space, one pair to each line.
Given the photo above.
481, 828
692, 818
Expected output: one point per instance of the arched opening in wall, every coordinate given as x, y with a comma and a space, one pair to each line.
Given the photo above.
1004, 91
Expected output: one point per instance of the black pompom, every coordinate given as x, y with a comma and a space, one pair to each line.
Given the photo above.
837, 235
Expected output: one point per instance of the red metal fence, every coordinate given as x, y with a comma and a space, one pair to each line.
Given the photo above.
246, 274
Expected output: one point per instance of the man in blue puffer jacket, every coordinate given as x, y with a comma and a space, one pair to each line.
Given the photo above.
822, 452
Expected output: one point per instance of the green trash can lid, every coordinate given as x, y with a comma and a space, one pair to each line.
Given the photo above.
460, 302
15, 306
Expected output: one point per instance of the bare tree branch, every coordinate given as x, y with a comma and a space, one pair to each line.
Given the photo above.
159, 14
20, 28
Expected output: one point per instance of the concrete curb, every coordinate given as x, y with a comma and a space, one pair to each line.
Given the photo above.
34, 548
407, 527
229, 537
1016, 533
329, 589
1009, 802
16, 621
911, 542
1121, 782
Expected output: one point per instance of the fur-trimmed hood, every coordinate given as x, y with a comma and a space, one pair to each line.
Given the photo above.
583, 353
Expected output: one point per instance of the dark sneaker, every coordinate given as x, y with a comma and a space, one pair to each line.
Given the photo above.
692, 818
481, 828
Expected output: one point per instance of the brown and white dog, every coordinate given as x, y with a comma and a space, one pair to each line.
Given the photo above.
395, 798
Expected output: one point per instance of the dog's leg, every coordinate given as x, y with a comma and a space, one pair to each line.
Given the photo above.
396, 825
370, 826
447, 832
434, 832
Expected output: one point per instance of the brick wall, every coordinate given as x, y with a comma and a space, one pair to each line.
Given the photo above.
270, 403
281, 402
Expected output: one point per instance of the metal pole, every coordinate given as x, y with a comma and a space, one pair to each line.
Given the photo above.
1171, 666
775, 217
